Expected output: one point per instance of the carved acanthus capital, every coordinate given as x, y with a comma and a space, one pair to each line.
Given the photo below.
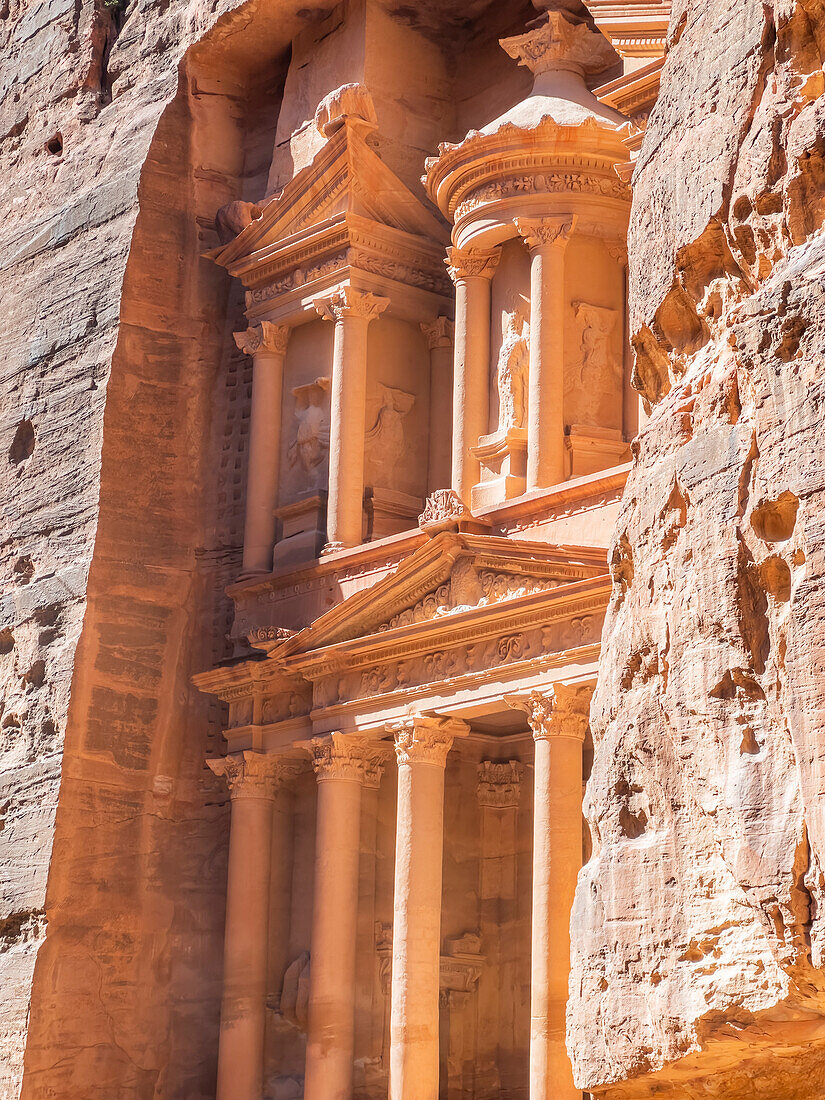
439, 333
338, 756
499, 785
263, 337
562, 711
561, 43
472, 263
255, 774
543, 232
349, 302
425, 740
442, 508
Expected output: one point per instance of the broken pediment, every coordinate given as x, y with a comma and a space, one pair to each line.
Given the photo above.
346, 182
451, 574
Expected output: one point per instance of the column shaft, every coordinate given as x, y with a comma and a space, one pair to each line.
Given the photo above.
243, 1007
472, 273
267, 345
440, 339
422, 746
351, 311
546, 238
331, 1012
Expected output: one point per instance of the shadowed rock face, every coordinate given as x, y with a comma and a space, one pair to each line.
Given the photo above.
698, 930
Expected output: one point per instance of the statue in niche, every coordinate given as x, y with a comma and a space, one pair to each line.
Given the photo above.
513, 369
385, 442
311, 445
600, 372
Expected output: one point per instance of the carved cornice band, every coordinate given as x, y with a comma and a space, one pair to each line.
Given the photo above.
562, 711
349, 302
265, 336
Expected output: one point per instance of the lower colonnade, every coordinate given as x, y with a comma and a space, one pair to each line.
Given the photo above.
428, 990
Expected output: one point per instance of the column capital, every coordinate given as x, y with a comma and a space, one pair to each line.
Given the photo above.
499, 784
349, 302
265, 336
561, 711
545, 232
252, 774
425, 740
472, 263
617, 251
339, 756
439, 333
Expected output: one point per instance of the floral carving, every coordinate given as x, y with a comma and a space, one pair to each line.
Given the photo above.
443, 507
254, 774
499, 784
541, 183
439, 333
349, 302
558, 42
562, 711
472, 263
265, 336
336, 756
425, 740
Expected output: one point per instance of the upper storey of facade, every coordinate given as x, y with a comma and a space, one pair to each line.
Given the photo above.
435, 279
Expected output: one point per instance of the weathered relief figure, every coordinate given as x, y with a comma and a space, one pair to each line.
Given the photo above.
385, 443
600, 369
513, 369
311, 445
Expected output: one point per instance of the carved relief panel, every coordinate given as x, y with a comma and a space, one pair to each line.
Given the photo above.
305, 423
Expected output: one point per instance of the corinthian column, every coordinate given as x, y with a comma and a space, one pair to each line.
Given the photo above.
440, 336
252, 778
547, 239
558, 720
472, 271
266, 343
351, 311
342, 765
421, 745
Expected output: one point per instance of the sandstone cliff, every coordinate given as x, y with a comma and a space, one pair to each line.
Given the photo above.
699, 937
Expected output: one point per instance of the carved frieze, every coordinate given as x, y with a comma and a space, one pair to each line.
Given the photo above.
499, 784
542, 183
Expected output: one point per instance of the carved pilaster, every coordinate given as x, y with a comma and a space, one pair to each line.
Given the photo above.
439, 333
562, 711
349, 302
263, 337
252, 774
499, 784
472, 263
543, 232
337, 756
425, 740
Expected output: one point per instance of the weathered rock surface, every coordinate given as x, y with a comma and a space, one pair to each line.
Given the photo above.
698, 931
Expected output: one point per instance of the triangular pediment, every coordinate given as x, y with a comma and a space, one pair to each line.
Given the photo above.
450, 575
346, 177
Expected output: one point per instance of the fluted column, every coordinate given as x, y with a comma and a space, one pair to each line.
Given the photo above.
558, 719
266, 343
440, 335
547, 239
252, 778
351, 311
342, 764
472, 271
421, 746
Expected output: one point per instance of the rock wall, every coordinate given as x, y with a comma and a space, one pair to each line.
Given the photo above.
121, 478
698, 929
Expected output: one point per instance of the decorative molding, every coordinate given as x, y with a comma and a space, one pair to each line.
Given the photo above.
541, 182
349, 302
439, 333
425, 740
562, 711
268, 637
542, 232
339, 756
472, 263
255, 774
263, 337
499, 784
